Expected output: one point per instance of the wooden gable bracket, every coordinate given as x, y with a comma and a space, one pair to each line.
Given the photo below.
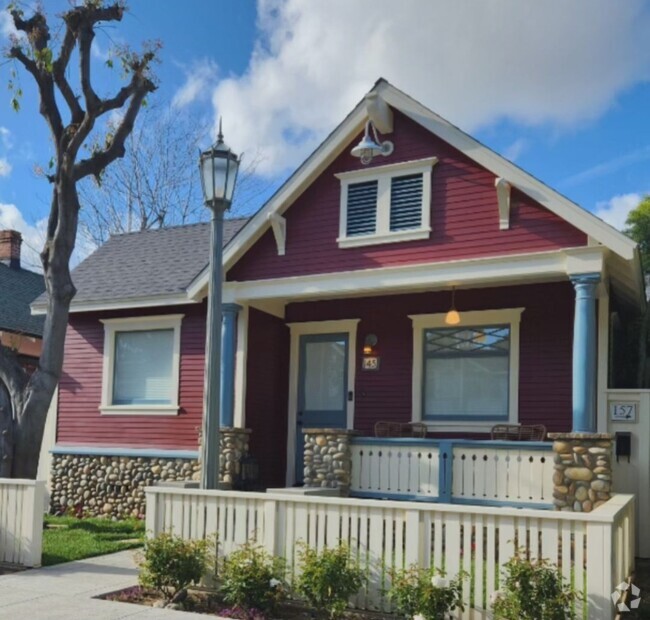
279, 226
503, 198
379, 112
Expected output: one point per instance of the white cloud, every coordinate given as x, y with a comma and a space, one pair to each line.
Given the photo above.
514, 151
199, 81
5, 167
5, 137
33, 235
7, 28
615, 210
472, 62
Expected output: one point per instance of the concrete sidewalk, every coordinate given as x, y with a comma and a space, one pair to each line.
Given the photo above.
67, 591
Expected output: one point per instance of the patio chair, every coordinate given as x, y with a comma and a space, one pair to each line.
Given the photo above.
400, 429
518, 432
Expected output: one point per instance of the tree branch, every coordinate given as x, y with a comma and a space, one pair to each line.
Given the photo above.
94, 165
58, 70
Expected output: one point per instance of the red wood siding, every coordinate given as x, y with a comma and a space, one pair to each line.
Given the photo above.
464, 217
267, 382
80, 421
545, 347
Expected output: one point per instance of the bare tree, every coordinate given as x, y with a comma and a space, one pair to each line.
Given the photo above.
156, 184
71, 111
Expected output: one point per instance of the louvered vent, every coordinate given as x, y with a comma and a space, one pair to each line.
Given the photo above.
362, 208
406, 202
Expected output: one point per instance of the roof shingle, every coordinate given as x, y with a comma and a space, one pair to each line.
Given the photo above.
18, 289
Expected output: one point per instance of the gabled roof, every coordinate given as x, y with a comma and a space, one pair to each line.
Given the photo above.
18, 289
144, 268
518, 178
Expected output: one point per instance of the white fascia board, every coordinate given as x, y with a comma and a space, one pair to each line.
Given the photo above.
501, 167
496, 271
122, 304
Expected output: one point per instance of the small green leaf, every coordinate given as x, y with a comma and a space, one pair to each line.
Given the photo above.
15, 104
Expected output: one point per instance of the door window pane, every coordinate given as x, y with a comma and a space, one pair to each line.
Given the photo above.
325, 368
143, 367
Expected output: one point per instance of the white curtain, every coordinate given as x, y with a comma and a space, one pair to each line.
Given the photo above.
143, 367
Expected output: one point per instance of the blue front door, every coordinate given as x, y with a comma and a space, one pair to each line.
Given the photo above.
322, 387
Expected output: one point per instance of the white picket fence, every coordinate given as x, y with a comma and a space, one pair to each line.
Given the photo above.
22, 506
594, 551
474, 472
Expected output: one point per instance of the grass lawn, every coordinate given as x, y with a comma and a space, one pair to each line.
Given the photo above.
68, 538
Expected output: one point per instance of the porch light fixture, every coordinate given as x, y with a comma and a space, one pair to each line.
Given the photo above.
452, 317
369, 147
369, 344
218, 167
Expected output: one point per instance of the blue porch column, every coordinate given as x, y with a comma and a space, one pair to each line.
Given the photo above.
584, 353
228, 344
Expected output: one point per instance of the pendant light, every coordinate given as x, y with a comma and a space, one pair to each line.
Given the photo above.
452, 317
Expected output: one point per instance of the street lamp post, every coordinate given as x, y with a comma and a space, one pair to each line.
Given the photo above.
218, 166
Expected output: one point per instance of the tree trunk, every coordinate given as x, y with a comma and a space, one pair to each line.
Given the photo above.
6, 432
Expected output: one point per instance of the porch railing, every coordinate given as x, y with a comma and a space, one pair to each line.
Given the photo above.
594, 551
22, 506
493, 473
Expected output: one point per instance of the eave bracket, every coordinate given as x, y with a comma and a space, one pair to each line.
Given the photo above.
503, 198
279, 226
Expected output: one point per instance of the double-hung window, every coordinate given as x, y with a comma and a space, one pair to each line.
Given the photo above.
141, 365
386, 204
467, 373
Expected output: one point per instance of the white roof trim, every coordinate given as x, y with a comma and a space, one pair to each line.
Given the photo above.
121, 304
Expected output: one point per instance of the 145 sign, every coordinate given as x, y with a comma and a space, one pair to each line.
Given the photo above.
622, 412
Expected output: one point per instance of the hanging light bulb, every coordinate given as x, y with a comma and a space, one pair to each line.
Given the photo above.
452, 317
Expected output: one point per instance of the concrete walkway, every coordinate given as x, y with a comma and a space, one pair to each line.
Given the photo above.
67, 591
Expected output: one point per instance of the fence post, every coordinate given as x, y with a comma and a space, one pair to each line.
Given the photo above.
151, 523
599, 571
32, 525
445, 471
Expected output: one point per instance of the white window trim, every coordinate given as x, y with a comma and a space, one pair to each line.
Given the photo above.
476, 318
383, 176
111, 327
343, 326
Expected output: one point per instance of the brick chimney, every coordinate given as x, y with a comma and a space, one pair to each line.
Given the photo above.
10, 242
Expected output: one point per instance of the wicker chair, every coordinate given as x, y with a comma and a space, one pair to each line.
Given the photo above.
519, 432
400, 429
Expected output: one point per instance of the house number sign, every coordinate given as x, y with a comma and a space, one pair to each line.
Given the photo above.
370, 363
622, 412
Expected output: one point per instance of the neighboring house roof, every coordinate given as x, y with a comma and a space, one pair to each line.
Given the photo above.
146, 267
18, 289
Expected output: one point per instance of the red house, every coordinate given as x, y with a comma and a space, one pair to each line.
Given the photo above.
338, 295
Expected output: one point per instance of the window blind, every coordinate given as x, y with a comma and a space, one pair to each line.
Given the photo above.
362, 208
406, 202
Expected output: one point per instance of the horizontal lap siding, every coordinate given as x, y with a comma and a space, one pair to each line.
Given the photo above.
464, 218
267, 383
545, 347
79, 419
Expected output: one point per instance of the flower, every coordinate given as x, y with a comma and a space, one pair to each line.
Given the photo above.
495, 596
418, 617
274, 583
439, 582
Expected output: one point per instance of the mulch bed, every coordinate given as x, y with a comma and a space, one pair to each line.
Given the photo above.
201, 602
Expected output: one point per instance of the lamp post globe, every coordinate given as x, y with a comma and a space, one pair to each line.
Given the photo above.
218, 167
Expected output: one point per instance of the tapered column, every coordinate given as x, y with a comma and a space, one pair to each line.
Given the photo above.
584, 353
229, 343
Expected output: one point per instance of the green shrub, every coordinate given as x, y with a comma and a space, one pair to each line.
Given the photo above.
329, 578
532, 590
425, 593
250, 577
170, 564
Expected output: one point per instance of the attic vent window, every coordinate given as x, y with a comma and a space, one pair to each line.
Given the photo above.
386, 204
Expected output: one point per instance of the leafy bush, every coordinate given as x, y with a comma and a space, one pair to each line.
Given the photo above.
250, 578
329, 578
170, 564
532, 590
425, 593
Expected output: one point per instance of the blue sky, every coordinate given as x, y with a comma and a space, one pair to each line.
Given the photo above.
561, 88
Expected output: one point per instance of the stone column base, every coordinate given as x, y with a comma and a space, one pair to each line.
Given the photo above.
233, 445
582, 479
328, 462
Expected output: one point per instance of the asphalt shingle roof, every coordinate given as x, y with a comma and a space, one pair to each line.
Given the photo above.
18, 289
148, 263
